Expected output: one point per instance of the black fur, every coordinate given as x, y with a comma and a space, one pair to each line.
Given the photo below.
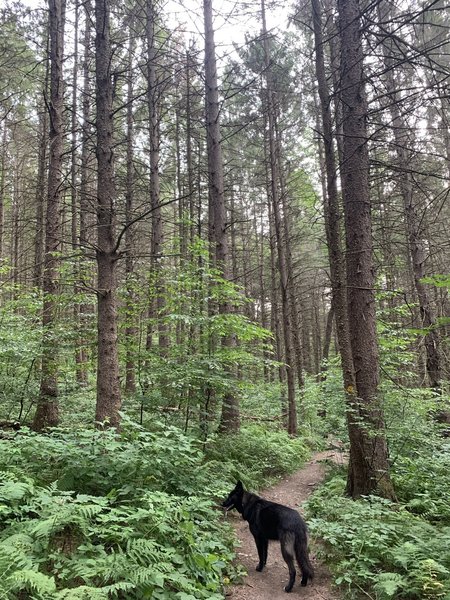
270, 521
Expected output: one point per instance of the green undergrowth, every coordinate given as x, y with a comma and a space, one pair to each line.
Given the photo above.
377, 549
94, 515
259, 458
384, 550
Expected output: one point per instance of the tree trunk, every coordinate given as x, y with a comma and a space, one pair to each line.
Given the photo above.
275, 324
293, 313
229, 421
47, 410
2, 183
153, 100
79, 357
334, 243
108, 387
131, 330
189, 151
262, 287
369, 465
86, 191
41, 179
278, 225
41, 188
327, 342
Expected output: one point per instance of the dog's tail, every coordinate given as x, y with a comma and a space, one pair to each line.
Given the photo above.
302, 556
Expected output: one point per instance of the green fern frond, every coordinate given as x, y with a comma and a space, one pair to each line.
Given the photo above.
142, 551
14, 490
33, 581
15, 554
388, 584
83, 592
147, 576
87, 511
86, 592
119, 586
45, 527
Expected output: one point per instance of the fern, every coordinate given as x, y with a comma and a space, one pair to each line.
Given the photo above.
15, 555
86, 592
142, 551
133, 538
147, 577
41, 585
83, 592
11, 491
45, 527
374, 543
388, 584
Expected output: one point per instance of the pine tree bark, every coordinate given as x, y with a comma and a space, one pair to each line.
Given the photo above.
131, 330
275, 324
334, 243
86, 191
108, 387
2, 183
278, 226
47, 410
41, 188
263, 294
327, 342
41, 180
229, 421
153, 101
189, 150
74, 196
369, 464
286, 221
15, 216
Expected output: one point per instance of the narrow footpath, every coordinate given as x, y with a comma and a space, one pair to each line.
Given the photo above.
269, 585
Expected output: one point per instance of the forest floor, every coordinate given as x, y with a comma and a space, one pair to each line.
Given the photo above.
269, 585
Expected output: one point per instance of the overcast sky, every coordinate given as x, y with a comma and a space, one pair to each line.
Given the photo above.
231, 21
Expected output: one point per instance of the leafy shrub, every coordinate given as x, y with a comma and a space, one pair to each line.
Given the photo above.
95, 462
410, 412
19, 350
258, 455
373, 543
390, 550
94, 515
57, 545
423, 485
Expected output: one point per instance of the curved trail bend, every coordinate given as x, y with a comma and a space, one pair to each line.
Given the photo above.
269, 585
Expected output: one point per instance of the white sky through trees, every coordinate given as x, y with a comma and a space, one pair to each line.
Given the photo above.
232, 20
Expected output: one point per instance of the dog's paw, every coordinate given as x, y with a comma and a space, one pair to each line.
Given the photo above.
288, 588
259, 567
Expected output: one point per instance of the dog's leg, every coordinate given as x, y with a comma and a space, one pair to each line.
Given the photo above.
261, 546
266, 550
301, 552
287, 550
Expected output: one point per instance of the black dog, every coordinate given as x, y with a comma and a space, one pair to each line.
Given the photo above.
270, 521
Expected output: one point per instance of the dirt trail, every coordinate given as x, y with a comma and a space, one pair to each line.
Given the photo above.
269, 585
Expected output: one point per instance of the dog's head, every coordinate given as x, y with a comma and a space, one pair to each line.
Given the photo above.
234, 499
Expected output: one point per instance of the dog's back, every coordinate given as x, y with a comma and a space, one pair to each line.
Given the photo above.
272, 518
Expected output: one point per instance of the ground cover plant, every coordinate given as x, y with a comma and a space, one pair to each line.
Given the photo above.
382, 549
95, 514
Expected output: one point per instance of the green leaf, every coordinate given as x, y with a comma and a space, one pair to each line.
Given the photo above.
388, 584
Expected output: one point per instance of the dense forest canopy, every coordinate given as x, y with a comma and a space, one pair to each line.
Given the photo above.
222, 220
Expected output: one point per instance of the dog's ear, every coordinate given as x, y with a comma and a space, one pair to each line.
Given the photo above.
239, 486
